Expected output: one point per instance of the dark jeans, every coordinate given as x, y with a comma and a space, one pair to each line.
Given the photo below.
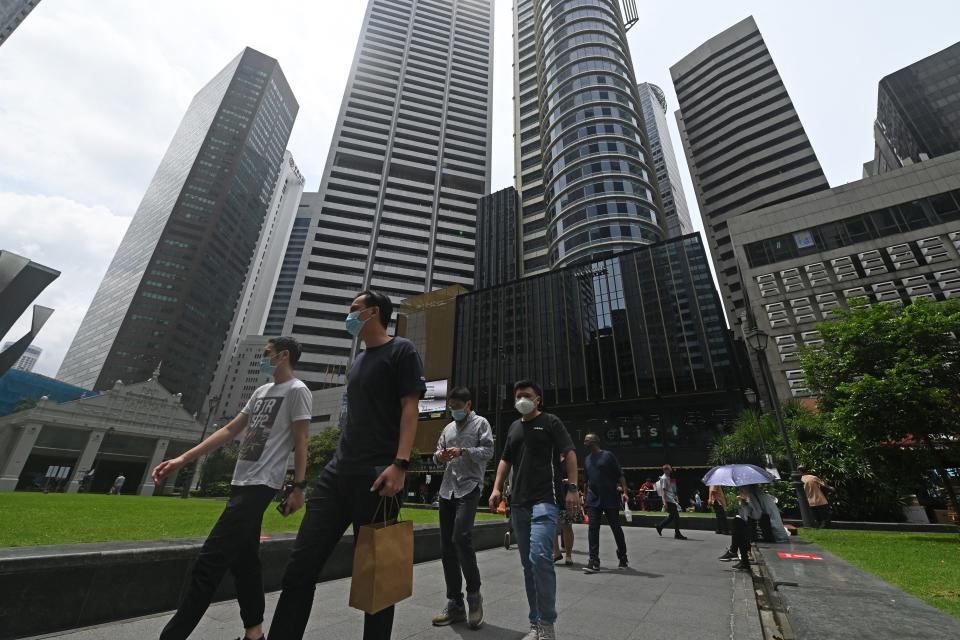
593, 533
822, 515
673, 515
337, 502
742, 536
456, 544
234, 544
722, 526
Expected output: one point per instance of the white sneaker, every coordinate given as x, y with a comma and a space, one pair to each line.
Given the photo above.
547, 632
534, 633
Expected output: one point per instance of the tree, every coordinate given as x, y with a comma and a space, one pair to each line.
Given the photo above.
863, 492
216, 472
320, 450
24, 404
889, 375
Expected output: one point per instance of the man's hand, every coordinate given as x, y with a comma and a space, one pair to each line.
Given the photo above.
494, 499
167, 467
444, 455
390, 482
573, 501
294, 501
454, 452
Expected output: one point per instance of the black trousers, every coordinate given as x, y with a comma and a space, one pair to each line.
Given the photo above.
722, 526
234, 544
337, 502
456, 544
673, 516
593, 532
822, 515
742, 537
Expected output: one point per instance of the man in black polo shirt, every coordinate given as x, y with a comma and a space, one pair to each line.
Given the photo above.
384, 386
533, 448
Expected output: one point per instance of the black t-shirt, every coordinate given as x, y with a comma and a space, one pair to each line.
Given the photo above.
378, 379
533, 449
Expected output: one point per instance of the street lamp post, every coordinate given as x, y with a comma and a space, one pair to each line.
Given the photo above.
757, 340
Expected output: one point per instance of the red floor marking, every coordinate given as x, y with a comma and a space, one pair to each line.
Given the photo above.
798, 556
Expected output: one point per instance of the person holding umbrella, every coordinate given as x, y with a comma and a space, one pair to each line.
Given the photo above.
746, 477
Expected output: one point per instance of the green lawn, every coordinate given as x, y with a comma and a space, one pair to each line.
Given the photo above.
34, 518
926, 565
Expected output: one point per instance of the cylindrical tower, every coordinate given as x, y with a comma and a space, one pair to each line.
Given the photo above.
600, 191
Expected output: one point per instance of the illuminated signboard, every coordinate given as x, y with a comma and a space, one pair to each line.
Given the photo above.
434, 401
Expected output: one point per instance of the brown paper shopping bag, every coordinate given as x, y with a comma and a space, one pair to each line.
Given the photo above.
382, 564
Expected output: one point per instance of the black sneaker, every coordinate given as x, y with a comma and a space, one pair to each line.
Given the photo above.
743, 565
680, 536
453, 612
659, 530
623, 564
591, 567
728, 556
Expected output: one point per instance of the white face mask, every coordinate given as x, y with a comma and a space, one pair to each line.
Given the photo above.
525, 406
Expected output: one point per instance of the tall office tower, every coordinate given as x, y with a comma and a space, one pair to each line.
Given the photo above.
287, 280
744, 143
28, 360
675, 210
250, 317
170, 292
918, 112
584, 175
498, 251
408, 161
12, 13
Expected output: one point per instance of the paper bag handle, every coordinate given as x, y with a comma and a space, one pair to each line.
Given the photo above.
383, 504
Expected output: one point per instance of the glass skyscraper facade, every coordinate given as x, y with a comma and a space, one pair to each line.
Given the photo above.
675, 211
497, 242
918, 111
170, 292
633, 341
583, 170
409, 159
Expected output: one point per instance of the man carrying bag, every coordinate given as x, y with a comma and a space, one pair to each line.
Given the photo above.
384, 387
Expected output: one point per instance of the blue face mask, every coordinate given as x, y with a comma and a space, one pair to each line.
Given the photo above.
458, 414
354, 323
266, 366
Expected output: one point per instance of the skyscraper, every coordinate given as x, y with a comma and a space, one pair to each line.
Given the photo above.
250, 317
12, 13
497, 248
584, 176
408, 160
28, 360
675, 210
744, 142
170, 292
287, 280
918, 112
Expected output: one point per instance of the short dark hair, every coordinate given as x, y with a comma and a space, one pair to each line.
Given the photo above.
460, 393
373, 298
595, 436
288, 344
529, 384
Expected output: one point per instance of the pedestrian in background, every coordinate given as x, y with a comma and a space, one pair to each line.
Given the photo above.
465, 446
118, 484
813, 487
603, 476
668, 493
718, 501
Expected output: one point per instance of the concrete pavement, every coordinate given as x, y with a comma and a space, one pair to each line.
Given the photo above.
674, 590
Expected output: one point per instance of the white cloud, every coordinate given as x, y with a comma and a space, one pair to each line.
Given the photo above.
75, 239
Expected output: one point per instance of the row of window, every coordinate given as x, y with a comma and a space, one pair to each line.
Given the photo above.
600, 210
607, 233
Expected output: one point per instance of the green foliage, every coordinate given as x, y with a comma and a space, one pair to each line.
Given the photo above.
320, 449
885, 372
217, 469
24, 404
861, 492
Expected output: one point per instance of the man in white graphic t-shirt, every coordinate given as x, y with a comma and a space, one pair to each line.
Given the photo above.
275, 420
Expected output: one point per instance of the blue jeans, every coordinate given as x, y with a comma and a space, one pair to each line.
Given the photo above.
535, 529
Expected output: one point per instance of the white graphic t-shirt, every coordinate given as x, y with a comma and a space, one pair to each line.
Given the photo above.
268, 440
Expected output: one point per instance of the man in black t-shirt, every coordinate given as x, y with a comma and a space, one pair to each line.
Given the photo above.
533, 448
384, 386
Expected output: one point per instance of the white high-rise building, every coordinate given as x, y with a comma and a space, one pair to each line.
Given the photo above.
230, 388
28, 360
409, 159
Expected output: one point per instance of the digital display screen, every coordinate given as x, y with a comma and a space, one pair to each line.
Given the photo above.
434, 401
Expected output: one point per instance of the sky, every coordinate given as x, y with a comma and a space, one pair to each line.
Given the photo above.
91, 92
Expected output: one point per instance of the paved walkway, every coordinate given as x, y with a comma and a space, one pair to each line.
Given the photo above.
830, 599
675, 590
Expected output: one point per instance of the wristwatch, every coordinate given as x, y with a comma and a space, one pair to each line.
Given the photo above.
403, 464
573, 487
300, 485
